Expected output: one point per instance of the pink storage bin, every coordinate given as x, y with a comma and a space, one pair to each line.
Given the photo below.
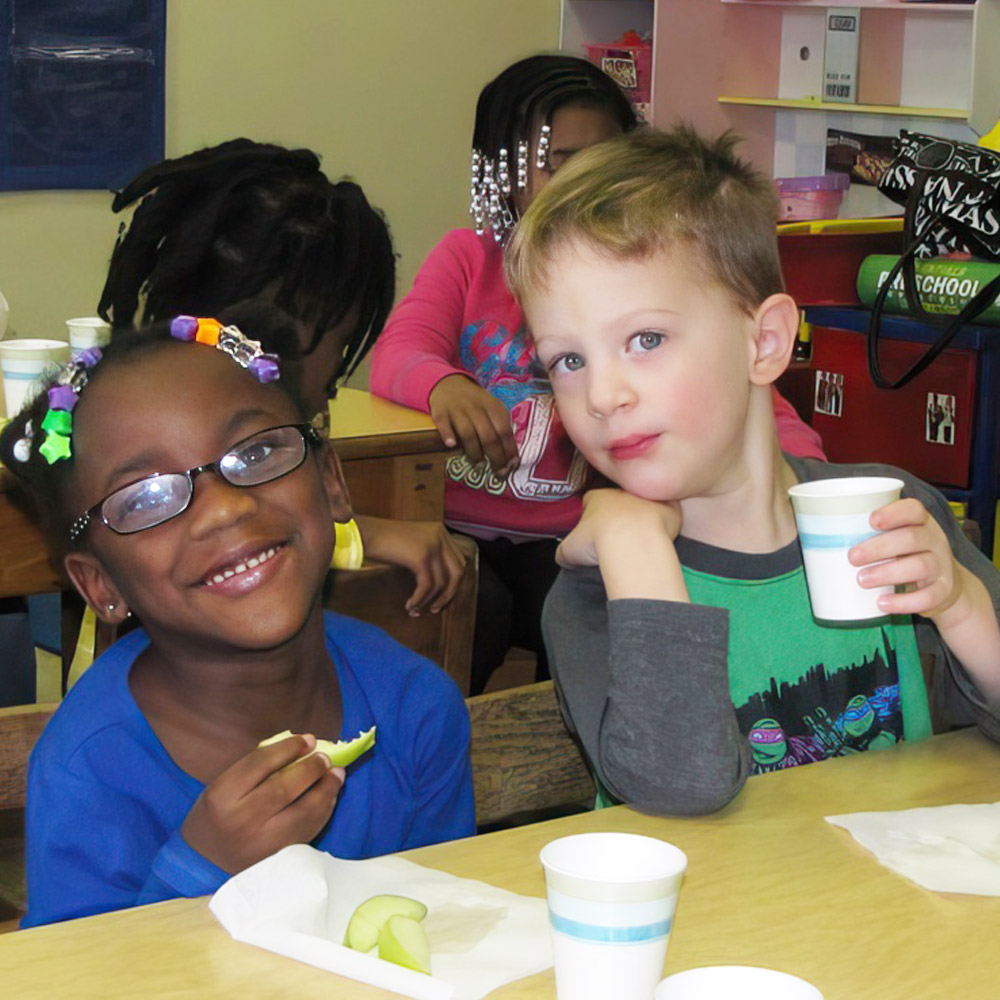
628, 65
811, 197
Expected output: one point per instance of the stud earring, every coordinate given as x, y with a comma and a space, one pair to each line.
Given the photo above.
111, 608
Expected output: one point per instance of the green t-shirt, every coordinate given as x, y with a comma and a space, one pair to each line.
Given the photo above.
804, 692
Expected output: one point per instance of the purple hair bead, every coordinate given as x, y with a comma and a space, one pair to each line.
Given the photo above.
184, 327
265, 367
62, 397
89, 356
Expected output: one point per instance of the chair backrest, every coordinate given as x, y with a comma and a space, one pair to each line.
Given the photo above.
377, 594
20, 728
524, 759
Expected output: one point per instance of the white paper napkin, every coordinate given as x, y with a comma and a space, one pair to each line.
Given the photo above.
298, 902
945, 848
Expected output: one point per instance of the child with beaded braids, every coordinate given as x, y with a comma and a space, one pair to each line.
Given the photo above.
457, 347
177, 476
243, 224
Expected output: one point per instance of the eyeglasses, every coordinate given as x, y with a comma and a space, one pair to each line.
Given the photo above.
260, 458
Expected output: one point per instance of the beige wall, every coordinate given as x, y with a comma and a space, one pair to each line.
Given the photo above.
384, 90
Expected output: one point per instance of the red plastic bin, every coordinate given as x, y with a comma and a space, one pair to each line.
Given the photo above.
820, 261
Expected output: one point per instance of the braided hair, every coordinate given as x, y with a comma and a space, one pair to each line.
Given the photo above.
513, 106
253, 221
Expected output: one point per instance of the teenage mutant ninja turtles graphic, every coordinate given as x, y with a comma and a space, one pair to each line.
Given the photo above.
827, 713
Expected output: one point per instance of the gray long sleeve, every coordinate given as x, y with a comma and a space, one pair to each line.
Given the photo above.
645, 684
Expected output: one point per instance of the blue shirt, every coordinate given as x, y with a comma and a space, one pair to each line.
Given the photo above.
106, 802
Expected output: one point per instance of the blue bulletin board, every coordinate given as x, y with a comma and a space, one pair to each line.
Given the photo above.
81, 92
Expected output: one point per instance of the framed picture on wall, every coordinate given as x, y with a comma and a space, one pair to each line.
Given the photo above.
81, 92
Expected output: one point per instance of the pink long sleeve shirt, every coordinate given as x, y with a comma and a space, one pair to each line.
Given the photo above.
459, 318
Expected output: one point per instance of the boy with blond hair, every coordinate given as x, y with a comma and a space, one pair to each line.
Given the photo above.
680, 634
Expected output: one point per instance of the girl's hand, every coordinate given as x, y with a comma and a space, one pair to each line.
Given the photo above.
426, 548
611, 518
260, 804
917, 556
469, 417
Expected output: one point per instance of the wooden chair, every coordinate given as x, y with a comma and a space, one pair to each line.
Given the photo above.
525, 763
20, 728
377, 592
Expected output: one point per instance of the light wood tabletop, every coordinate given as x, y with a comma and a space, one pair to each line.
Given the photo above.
768, 883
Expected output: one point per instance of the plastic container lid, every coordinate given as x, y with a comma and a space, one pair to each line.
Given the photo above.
826, 182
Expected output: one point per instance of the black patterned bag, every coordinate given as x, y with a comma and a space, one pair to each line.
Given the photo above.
951, 196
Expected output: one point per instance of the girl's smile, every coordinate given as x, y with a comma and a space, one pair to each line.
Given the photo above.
239, 574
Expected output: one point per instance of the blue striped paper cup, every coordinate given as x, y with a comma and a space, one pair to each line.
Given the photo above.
832, 516
23, 362
612, 898
86, 332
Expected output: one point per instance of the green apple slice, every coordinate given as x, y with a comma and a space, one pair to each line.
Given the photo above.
370, 917
341, 753
404, 941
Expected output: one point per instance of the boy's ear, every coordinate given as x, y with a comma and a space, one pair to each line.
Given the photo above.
336, 488
777, 326
96, 587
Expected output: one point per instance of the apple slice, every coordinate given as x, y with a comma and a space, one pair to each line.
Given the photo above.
404, 941
370, 917
340, 753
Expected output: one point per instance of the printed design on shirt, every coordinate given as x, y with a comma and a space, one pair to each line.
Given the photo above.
507, 367
825, 713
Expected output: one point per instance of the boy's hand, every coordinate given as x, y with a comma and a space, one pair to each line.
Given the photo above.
632, 541
917, 556
426, 548
610, 516
467, 416
259, 804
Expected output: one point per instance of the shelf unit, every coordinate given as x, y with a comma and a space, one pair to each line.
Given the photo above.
724, 69
599, 21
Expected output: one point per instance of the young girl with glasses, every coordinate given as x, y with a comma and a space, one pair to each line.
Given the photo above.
177, 478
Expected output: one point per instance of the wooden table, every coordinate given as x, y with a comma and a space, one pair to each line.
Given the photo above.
768, 883
393, 460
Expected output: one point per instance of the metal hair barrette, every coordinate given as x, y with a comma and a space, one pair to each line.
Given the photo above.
63, 396
231, 340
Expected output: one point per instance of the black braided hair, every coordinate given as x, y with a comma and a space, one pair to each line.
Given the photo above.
253, 221
526, 95
43, 489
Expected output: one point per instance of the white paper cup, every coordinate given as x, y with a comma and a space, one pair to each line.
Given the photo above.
22, 363
612, 898
87, 331
735, 982
832, 516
